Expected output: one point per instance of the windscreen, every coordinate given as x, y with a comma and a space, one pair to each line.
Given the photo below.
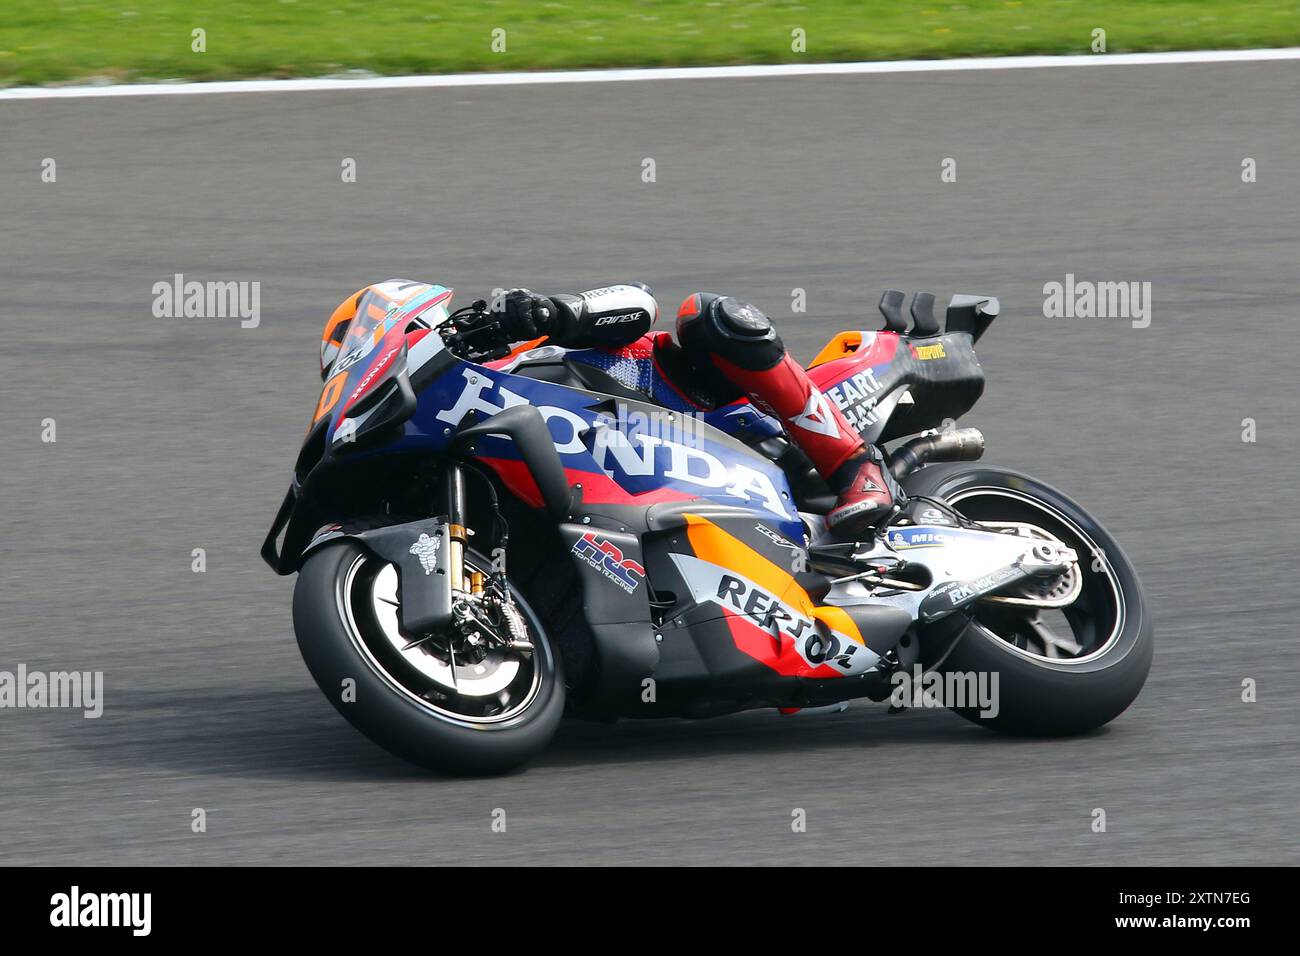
385, 305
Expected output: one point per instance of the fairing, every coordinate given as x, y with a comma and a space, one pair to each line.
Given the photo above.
685, 539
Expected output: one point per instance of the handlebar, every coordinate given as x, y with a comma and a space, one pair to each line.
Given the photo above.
475, 334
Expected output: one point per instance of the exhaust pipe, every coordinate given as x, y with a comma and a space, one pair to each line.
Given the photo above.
960, 444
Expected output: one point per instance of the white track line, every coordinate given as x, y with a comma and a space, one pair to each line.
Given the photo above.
670, 73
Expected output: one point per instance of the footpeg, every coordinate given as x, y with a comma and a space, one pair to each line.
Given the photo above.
836, 560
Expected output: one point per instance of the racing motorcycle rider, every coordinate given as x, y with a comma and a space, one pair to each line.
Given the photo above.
727, 336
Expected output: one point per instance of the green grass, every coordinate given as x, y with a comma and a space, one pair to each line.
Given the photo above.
57, 41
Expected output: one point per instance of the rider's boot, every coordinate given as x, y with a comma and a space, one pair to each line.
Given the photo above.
756, 361
868, 495
854, 469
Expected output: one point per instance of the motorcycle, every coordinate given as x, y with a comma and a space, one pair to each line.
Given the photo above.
489, 536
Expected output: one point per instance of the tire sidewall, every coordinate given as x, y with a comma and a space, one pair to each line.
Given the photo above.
1039, 696
389, 717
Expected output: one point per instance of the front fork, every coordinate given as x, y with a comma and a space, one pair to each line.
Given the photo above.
458, 536
467, 596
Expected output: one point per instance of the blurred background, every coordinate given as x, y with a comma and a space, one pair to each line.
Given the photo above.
59, 41
176, 434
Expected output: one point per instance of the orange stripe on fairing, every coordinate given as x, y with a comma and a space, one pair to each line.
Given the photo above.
838, 620
710, 543
521, 347
881, 351
838, 347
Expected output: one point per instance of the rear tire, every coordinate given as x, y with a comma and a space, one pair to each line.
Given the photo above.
1044, 691
388, 707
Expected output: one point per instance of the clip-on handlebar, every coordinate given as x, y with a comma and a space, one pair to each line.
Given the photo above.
475, 334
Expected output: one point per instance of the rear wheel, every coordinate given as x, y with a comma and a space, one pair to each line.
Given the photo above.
1071, 654
446, 702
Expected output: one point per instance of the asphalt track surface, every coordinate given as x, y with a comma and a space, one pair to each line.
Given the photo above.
174, 434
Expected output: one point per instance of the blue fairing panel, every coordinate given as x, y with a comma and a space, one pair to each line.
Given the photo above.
624, 452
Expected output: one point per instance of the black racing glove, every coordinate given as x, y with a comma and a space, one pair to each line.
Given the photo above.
528, 315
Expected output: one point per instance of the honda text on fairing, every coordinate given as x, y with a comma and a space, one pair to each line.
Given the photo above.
489, 535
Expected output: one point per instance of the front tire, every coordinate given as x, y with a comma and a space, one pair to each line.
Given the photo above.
393, 700
1053, 679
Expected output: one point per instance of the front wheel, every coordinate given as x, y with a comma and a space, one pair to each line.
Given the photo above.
1060, 670
440, 702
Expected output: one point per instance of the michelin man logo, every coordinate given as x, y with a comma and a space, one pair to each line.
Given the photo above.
426, 549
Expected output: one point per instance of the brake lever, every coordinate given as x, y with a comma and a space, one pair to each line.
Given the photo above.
478, 333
